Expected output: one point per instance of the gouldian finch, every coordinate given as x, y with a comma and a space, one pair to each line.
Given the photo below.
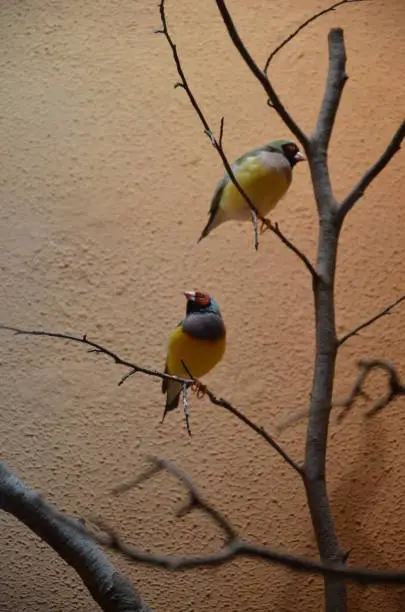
198, 340
264, 174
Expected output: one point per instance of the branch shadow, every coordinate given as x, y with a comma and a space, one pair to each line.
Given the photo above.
354, 497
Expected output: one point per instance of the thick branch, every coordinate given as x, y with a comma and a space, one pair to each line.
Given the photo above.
370, 321
395, 387
106, 585
233, 545
261, 76
359, 190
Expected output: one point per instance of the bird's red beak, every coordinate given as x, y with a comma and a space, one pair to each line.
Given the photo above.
299, 157
190, 295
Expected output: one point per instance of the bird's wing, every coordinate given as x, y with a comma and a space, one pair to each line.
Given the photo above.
216, 198
165, 381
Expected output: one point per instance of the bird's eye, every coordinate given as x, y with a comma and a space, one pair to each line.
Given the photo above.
202, 298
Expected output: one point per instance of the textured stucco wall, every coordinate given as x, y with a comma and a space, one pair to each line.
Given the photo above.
106, 179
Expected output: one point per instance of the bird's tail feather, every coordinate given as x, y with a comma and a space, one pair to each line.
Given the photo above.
216, 218
207, 228
173, 391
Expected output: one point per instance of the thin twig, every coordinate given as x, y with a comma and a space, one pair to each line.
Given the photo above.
367, 178
191, 381
261, 76
302, 414
379, 315
98, 348
233, 546
395, 387
304, 25
218, 144
256, 428
335, 83
274, 227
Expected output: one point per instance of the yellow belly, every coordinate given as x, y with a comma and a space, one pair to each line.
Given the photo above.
264, 186
200, 356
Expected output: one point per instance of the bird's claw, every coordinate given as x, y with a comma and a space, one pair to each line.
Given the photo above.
264, 226
199, 389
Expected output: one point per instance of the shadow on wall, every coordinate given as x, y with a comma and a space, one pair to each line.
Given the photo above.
356, 495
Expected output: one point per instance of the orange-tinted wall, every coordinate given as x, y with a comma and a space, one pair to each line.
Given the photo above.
106, 179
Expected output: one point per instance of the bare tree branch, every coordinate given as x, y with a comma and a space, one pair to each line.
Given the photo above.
99, 349
218, 146
395, 387
261, 76
233, 546
357, 390
317, 154
304, 25
370, 321
186, 382
106, 585
274, 227
335, 83
368, 177
257, 429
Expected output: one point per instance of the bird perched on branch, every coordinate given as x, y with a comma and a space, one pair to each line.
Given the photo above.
264, 174
198, 341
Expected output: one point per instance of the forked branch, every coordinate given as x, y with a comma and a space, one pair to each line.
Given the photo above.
233, 545
256, 428
261, 77
303, 25
218, 146
395, 387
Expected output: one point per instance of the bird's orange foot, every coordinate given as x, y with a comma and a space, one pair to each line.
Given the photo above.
199, 389
264, 225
